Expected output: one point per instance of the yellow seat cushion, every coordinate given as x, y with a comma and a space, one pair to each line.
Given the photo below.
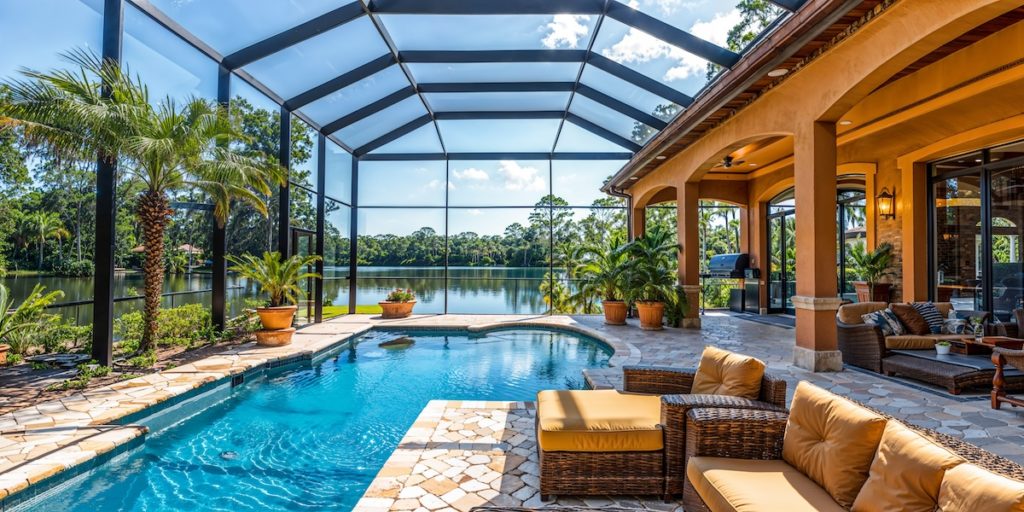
906, 473
603, 420
721, 372
969, 488
912, 342
831, 440
744, 485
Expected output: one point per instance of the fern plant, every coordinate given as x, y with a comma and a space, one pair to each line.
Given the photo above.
16, 322
278, 278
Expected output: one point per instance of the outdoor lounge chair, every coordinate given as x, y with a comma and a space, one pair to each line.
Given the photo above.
635, 442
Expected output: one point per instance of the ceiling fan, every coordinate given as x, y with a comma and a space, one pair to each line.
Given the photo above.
728, 162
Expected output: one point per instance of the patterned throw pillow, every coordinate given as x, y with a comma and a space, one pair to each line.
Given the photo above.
886, 321
931, 315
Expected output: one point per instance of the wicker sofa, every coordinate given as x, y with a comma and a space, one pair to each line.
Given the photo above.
831, 453
608, 462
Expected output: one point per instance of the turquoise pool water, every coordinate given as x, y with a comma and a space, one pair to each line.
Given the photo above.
313, 438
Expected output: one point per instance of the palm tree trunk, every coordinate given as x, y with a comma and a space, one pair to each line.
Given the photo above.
153, 212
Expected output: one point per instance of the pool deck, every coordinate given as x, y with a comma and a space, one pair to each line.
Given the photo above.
52, 437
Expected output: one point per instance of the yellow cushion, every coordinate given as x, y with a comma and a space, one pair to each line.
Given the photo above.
912, 342
755, 485
603, 420
831, 440
724, 373
906, 473
969, 488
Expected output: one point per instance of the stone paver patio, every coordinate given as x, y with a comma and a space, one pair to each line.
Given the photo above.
469, 453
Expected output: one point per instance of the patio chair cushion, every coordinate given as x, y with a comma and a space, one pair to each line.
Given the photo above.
969, 487
931, 315
852, 313
726, 484
885, 320
721, 372
831, 440
913, 320
906, 473
911, 342
603, 420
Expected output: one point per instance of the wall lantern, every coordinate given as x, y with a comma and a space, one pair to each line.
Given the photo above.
885, 202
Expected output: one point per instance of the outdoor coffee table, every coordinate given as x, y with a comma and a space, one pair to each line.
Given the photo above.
968, 346
951, 371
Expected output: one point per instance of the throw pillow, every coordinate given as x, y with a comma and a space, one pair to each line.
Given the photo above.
886, 321
931, 315
721, 372
911, 319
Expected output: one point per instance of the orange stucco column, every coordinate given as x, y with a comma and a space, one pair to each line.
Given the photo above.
638, 218
688, 225
912, 202
816, 300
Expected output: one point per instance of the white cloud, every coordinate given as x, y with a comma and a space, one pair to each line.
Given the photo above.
566, 31
670, 6
471, 174
518, 177
437, 184
639, 47
474, 212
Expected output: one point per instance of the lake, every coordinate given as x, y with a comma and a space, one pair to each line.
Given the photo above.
470, 289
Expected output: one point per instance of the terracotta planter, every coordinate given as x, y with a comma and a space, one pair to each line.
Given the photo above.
651, 315
396, 309
614, 312
883, 292
4, 349
279, 317
274, 337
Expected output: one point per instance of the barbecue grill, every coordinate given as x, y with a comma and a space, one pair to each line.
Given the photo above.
732, 266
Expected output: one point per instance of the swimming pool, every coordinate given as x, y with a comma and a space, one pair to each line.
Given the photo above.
313, 437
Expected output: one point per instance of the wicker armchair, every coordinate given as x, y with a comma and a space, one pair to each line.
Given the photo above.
758, 434
674, 385
1005, 359
862, 345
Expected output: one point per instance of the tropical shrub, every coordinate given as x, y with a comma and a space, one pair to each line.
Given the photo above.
603, 269
278, 278
650, 271
79, 268
18, 324
187, 326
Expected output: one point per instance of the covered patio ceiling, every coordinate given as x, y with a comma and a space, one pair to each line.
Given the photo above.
437, 79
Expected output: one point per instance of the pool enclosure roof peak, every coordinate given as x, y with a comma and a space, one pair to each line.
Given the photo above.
435, 79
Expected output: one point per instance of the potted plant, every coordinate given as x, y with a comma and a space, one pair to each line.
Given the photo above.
279, 279
650, 276
398, 304
602, 273
872, 267
942, 347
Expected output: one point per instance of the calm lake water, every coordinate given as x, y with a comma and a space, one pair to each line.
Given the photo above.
470, 289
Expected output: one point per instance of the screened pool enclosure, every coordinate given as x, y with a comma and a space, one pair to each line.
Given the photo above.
453, 147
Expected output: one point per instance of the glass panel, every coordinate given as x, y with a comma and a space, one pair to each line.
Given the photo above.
230, 25
495, 258
260, 119
488, 32
1007, 152
958, 163
422, 140
401, 183
573, 229
33, 37
629, 94
713, 21
958, 265
853, 234
370, 128
338, 180
579, 181
1007, 230
575, 139
498, 183
402, 248
662, 216
497, 101
304, 150
317, 60
533, 135
336, 249
652, 57
356, 96
167, 65
426, 73
303, 208
611, 120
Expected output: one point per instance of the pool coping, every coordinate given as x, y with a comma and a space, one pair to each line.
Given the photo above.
51, 442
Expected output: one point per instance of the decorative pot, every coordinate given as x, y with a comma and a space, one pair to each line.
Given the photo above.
274, 337
883, 292
390, 310
614, 312
942, 349
651, 315
4, 349
279, 317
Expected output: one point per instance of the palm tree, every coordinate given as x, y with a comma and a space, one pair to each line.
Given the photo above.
166, 147
46, 225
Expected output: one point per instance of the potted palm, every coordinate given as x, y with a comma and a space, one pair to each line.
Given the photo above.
279, 279
603, 273
398, 304
872, 267
650, 277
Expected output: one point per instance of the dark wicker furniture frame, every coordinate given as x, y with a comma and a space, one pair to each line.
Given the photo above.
647, 473
1003, 359
751, 434
953, 377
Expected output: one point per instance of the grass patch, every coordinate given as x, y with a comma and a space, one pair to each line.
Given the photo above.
28, 273
365, 309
